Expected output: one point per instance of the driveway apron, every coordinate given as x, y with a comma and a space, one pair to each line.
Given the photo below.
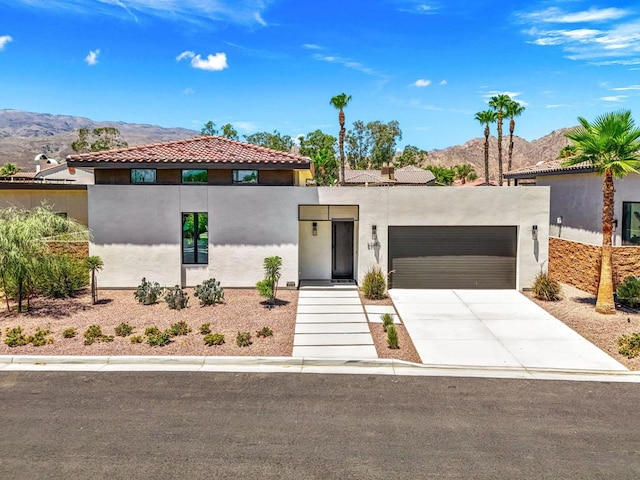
493, 328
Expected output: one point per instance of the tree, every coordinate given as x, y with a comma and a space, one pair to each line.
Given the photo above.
611, 145
268, 287
229, 132
411, 156
320, 147
340, 102
94, 264
359, 142
444, 176
514, 109
9, 169
567, 151
486, 118
99, 139
385, 137
464, 172
275, 140
499, 103
209, 129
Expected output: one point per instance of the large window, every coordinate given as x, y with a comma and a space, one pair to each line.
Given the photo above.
242, 177
194, 176
143, 175
630, 223
195, 238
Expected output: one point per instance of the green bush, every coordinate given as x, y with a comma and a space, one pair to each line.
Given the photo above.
374, 284
136, 339
264, 332
205, 328
629, 291
151, 330
124, 330
157, 338
386, 321
211, 339
209, 292
268, 287
243, 339
70, 332
629, 345
176, 298
94, 334
546, 288
265, 288
178, 329
148, 293
62, 276
15, 337
392, 337
40, 338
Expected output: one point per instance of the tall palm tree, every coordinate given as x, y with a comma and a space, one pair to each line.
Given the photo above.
464, 172
486, 118
499, 104
611, 145
340, 102
514, 109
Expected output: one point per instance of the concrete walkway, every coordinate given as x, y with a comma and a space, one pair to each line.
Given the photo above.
331, 323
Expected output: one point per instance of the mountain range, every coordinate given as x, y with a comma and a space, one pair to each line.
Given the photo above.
23, 135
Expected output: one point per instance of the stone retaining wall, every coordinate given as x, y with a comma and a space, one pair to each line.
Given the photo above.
578, 264
76, 249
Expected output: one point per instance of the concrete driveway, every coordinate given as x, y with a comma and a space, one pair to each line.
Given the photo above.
493, 328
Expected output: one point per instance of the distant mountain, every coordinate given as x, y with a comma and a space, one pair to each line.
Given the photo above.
23, 135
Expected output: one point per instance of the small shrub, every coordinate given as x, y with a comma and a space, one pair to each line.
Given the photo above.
392, 337
158, 338
136, 339
264, 332
124, 330
629, 345
211, 339
205, 328
272, 271
546, 288
629, 291
374, 284
151, 331
209, 292
147, 293
243, 339
265, 288
70, 332
180, 328
94, 334
386, 321
15, 337
176, 298
62, 276
40, 338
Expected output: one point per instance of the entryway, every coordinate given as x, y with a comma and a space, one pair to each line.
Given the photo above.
342, 249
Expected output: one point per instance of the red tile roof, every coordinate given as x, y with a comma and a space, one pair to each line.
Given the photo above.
550, 167
402, 176
199, 150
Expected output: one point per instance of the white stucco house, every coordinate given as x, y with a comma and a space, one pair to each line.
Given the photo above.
184, 211
576, 202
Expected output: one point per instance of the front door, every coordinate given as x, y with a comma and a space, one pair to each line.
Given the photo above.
342, 249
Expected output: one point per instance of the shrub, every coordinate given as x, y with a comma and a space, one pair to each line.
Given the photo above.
94, 334
392, 337
151, 331
268, 287
136, 339
629, 291
265, 288
176, 298
124, 330
180, 328
209, 292
374, 284
264, 332
629, 345
211, 339
157, 338
62, 276
546, 288
15, 337
386, 321
40, 338
243, 339
70, 332
205, 328
147, 293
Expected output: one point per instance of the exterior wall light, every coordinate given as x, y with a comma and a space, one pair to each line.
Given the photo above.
374, 232
314, 229
559, 220
534, 232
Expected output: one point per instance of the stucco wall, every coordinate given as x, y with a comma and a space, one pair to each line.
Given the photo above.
71, 202
578, 200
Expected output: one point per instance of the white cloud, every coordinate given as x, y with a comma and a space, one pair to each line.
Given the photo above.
213, 63
246, 126
311, 46
346, 62
443, 82
624, 89
557, 15
421, 82
188, 91
614, 98
92, 57
4, 39
420, 7
259, 19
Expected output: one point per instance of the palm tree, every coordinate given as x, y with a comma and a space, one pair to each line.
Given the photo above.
464, 172
514, 109
94, 264
611, 145
340, 102
499, 104
486, 118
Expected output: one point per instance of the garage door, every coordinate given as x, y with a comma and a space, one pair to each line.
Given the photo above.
452, 257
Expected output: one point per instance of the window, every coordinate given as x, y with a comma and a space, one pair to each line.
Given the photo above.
194, 176
242, 177
630, 223
195, 238
143, 175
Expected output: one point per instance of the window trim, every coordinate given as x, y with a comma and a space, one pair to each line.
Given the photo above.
235, 173
194, 238
155, 176
185, 170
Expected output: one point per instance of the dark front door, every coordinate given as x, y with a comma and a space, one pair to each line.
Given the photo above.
342, 249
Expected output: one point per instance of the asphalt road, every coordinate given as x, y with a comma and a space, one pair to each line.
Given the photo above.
302, 426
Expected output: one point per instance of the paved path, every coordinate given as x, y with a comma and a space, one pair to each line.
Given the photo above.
331, 323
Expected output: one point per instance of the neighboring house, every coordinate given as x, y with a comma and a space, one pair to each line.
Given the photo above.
184, 211
387, 176
576, 201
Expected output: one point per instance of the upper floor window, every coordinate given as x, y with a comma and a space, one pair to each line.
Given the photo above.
630, 223
143, 175
241, 177
194, 176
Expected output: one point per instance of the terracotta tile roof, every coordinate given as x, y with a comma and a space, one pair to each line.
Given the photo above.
402, 176
550, 167
199, 150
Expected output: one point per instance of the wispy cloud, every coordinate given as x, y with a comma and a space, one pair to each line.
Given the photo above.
92, 57
557, 15
614, 98
558, 105
188, 91
420, 7
421, 82
348, 63
4, 39
311, 46
442, 82
624, 89
213, 63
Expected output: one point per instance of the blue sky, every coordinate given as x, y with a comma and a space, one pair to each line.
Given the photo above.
267, 65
